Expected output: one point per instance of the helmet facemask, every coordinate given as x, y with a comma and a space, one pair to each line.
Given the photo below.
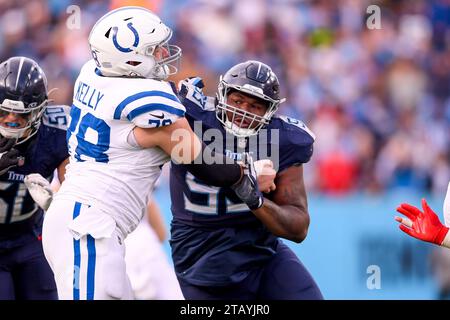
227, 114
166, 59
32, 113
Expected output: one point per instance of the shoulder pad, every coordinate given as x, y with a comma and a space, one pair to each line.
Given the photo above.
152, 104
296, 141
56, 116
292, 123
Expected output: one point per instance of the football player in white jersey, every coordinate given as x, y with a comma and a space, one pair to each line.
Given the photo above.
125, 122
425, 225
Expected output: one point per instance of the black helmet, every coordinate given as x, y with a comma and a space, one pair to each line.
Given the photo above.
253, 78
23, 90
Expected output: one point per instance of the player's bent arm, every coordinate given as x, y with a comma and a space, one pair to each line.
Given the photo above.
180, 142
175, 137
184, 147
286, 215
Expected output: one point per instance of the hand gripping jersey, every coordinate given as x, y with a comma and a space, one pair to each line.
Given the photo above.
20, 216
215, 237
105, 170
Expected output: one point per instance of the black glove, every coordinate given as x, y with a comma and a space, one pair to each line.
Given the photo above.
9, 157
6, 144
8, 160
247, 188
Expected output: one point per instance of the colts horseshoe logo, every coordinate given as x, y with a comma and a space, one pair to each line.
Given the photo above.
117, 45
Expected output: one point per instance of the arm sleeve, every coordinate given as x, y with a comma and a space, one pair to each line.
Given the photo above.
221, 173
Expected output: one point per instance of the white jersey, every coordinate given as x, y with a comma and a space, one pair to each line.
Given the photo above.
105, 170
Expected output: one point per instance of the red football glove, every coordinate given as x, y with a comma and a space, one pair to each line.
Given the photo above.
422, 225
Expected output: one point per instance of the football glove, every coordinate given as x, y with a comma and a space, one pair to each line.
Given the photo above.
424, 226
247, 187
9, 160
265, 173
191, 82
9, 157
40, 190
6, 144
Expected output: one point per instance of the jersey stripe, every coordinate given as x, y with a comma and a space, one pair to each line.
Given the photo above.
140, 95
152, 107
77, 258
90, 268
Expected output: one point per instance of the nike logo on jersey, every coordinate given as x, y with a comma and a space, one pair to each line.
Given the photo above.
161, 116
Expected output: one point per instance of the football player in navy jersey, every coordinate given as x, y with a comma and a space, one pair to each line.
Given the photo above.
32, 145
220, 248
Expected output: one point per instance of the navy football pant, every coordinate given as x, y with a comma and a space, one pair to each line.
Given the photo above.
283, 278
25, 274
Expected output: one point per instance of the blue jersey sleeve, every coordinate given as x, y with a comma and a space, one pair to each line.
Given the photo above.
196, 103
52, 144
296, 142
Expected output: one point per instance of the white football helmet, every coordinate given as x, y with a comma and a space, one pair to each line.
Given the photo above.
133, 42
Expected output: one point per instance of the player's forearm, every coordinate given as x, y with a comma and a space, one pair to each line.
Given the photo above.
200, 160
184, 147
287, 221
220, 173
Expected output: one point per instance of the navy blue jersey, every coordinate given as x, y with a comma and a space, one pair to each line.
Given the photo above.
20, 216
215, 237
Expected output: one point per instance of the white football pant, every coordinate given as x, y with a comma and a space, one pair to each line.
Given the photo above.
85, 251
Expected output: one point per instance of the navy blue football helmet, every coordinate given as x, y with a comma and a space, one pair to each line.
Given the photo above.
23, 91
253, 78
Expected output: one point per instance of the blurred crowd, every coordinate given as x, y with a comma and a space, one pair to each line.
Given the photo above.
378, 100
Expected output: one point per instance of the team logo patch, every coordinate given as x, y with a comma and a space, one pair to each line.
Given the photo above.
118, 46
